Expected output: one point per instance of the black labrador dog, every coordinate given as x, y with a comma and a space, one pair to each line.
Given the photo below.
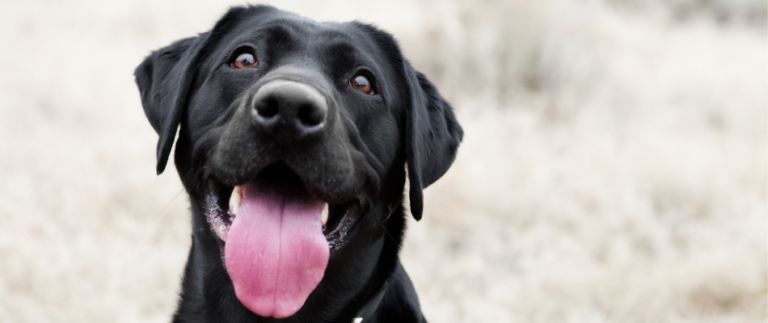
303, 146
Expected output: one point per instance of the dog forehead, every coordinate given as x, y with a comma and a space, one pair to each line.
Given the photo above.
282, 26
289, 33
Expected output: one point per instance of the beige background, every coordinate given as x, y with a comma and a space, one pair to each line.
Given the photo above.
613, 169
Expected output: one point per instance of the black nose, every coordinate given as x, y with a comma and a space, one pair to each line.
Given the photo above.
289, 110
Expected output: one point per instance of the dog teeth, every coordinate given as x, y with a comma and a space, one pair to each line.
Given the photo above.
324, 215
236, 199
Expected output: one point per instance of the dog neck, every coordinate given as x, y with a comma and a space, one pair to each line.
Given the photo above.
370, 307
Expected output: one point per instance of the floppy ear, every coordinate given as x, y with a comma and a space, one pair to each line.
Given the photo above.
432, 136
164, 80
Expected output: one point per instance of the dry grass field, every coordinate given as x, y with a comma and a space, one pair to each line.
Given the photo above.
614, 167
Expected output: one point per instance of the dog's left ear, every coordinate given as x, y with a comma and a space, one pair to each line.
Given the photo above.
164, 80
432, 136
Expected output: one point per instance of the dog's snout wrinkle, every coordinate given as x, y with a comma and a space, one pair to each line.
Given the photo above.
289, 109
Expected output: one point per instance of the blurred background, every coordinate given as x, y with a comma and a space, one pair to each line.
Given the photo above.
614, 166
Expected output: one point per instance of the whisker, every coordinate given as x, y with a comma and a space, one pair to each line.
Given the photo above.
165, 207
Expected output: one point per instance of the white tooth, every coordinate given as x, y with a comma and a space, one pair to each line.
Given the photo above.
236, 199
324, 215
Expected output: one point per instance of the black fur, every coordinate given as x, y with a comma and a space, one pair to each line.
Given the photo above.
189, 85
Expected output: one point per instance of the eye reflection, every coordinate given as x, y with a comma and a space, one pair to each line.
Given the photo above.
244, 60
361, 83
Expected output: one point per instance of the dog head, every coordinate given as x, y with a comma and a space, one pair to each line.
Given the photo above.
292, 141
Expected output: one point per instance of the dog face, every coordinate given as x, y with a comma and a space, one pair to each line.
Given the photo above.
292, 145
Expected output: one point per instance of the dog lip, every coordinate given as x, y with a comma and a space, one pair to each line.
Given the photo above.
221, 210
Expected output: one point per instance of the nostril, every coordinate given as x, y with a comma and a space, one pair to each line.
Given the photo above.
310, 115
268, 107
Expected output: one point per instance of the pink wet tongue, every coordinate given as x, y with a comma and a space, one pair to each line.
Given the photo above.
275, 252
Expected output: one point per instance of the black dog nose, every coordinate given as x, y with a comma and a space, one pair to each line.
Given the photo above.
289, 110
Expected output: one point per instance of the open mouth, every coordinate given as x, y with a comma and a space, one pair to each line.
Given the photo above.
276, 237
223, 203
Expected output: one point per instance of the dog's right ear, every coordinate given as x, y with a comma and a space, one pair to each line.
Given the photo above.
164, 80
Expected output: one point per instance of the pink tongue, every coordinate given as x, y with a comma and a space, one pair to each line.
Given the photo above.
276, 252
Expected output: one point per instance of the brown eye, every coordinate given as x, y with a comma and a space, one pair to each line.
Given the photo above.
244, 60
361, 84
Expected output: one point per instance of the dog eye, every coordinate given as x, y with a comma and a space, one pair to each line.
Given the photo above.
244, 60
361, 84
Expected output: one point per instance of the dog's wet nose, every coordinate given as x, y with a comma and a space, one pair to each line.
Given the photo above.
289, 110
